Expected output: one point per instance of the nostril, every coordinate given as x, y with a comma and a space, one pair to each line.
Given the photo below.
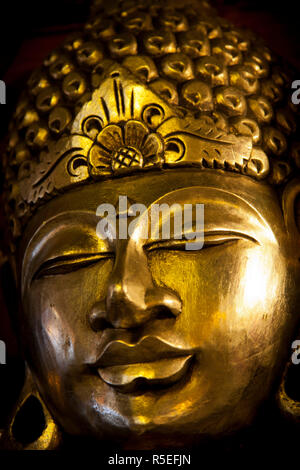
98, 320
163, 312
163, 302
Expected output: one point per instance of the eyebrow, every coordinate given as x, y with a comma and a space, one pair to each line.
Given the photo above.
180, 210
212, 197
44, 235
66, 218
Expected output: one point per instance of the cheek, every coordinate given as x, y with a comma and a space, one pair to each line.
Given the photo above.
51, 334
234, 313
259, 302
232, 295
56, 315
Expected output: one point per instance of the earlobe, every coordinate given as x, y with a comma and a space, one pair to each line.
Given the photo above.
288, 399
31, 426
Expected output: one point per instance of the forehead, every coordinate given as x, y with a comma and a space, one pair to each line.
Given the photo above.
148, 187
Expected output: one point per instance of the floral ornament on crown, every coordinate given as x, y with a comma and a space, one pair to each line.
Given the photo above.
126, 127
125, 147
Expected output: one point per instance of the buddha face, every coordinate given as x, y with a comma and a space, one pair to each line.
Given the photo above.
145, 342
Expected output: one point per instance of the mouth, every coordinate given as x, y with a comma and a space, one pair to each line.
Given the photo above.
150, 362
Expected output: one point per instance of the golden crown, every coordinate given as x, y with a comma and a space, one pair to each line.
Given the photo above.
146, 86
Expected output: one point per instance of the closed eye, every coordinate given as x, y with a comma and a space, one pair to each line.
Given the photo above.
211, 239
68, 263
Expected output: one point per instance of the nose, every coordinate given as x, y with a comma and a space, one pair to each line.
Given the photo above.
132, 297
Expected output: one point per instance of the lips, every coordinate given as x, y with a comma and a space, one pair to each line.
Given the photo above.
150, 361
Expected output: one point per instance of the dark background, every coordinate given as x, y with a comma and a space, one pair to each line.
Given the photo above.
29, 30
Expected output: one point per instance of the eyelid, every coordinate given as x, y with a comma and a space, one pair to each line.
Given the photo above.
64, 264
210, 239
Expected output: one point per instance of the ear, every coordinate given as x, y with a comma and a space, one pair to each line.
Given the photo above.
291, 209
31, 426
288, 397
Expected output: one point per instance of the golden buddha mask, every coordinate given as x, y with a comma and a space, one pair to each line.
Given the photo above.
144, 342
